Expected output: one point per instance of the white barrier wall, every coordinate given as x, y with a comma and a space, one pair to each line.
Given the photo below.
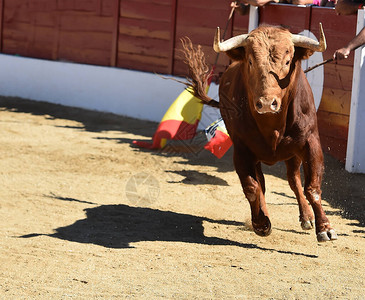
355, 157
130, 93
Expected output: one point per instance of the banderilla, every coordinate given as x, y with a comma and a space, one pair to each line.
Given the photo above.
317, 65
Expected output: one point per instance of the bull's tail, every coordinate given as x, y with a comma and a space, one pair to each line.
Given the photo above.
199, 72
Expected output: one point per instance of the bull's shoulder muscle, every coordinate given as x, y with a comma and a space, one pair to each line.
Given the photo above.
303, 110
232, 72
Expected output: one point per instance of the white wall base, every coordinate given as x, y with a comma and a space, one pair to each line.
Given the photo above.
130, 93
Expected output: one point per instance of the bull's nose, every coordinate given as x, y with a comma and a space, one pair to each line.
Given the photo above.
274, 105
266, 105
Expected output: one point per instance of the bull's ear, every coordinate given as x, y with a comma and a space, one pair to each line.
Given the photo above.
302, 53
236, 54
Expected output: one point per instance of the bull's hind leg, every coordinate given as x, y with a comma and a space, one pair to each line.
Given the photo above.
306, 216
252, 181
313, 172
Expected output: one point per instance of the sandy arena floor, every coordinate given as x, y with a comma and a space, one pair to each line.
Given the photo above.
84, 215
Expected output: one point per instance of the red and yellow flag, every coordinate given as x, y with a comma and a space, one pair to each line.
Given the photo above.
218, 138
179, 122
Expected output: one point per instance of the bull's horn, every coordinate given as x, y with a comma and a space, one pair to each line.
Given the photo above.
306, 42
232, 43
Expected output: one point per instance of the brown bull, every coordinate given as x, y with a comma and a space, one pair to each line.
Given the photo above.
268, 108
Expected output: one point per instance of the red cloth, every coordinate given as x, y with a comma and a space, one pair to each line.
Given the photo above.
219, 144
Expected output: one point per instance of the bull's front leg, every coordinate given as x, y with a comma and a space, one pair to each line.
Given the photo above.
306, 216
252, 181
313, 171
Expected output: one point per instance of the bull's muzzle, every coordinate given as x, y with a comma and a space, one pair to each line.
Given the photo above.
267, 105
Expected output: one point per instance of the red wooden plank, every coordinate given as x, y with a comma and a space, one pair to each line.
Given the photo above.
172, 36
86, 56
13, 3
108, 8
199, 29
202, 34
41, 50
66, 4
80, 22
87, 5
143, 46
240, 24
80, 5
334, 139
203, 5
339, 30
145, 28
328, 17
15, 47
198, 35
334, 146
336, 101
16, 32
1, 24
115, 34
42, 18
16, 11
85, 40
159, 2
147, 11
143, 63
332, 124
292, 17
56, 37
42, 5
42, 35
338, 76
193, 18
31, 40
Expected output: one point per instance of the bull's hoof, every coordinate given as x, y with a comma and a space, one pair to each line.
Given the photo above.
262, 229
262, 232
306, 225
326, 236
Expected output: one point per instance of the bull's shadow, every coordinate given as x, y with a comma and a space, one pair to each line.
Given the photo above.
117, 226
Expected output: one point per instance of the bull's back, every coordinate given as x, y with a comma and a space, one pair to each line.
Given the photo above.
231, 96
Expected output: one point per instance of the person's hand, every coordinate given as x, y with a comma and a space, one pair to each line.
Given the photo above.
235, 4
341, 53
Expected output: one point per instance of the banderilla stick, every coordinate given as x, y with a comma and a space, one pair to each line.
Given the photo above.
317, 65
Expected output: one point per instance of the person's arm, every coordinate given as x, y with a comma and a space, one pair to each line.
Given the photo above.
347, 7
355, 43
244, 3
302, 2
258, 2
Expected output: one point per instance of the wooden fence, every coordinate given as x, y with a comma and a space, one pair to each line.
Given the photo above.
145, 35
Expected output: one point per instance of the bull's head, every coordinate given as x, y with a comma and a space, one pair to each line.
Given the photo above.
269, 56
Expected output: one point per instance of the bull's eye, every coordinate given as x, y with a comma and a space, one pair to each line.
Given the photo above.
250, 62
287, 62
